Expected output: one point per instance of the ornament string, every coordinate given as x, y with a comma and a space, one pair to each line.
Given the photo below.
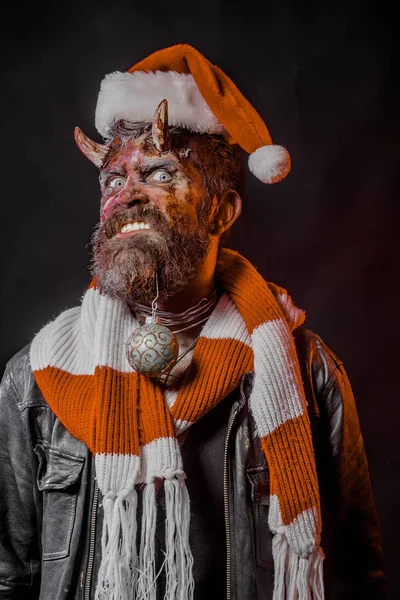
154, 303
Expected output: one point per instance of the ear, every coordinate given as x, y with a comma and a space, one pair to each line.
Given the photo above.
228, 211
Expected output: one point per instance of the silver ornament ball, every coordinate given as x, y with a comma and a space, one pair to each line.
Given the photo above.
152, 348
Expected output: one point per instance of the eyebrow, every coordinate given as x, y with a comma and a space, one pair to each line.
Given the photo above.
114, 171
157, 163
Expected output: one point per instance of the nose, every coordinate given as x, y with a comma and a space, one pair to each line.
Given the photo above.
130, 195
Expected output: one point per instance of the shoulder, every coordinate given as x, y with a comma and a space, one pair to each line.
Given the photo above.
18, 379
327, 386
325, 380
320, 357
311, 350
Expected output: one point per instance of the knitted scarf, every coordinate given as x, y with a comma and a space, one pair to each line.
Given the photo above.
131, 427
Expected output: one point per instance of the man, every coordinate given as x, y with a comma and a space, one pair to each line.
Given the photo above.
180, 434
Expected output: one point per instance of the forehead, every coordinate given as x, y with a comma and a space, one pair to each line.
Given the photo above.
136, 152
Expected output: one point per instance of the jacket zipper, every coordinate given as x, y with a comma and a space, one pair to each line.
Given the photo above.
92, 541
226, 505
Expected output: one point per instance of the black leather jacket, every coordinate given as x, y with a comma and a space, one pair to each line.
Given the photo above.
49, 500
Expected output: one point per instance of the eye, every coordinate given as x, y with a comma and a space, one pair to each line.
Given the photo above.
161, 175
116, 183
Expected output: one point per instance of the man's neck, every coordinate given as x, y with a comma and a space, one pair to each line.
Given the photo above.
201, 286
190, 296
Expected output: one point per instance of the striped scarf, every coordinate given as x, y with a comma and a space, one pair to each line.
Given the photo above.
131, 427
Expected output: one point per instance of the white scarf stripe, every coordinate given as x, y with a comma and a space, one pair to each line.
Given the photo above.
116, 471
181, 426
170, 397
160, 458
276, 378
302, 528
111, 330
114, 325
43, 354
226, 322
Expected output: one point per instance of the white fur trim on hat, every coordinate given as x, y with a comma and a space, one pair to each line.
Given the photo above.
135, 97
270, 164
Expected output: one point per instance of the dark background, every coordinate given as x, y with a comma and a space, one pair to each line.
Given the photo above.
323, 76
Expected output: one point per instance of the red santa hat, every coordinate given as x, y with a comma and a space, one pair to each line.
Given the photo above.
201, 98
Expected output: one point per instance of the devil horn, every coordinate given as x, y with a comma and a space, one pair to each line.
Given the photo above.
95, 152
160, 130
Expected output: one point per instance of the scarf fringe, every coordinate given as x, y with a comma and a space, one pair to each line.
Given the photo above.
296, 578
122, 574
146, 585
118, 568
179, 559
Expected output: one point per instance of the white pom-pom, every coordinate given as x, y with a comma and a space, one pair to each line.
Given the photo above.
270, 164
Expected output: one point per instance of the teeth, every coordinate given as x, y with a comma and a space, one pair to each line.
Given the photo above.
134, 226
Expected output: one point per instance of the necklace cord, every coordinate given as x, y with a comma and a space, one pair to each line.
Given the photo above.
170, 319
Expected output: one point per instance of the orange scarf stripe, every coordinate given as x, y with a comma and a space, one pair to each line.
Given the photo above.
141, 416
108, 420
154, 416
113, 411
204, 385
246, 286
291, 444
77, 391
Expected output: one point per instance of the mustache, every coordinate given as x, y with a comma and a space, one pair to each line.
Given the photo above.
149, 214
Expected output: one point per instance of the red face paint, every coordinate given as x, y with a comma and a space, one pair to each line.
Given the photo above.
138, 175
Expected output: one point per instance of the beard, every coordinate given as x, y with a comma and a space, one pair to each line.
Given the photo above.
126, 269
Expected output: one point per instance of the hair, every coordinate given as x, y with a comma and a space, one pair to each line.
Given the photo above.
220, 163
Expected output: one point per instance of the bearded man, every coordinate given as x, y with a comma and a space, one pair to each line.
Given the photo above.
181, 435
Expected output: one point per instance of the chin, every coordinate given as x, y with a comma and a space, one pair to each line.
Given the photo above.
127, 268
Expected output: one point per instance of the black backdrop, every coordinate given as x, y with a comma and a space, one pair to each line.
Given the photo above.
323, 76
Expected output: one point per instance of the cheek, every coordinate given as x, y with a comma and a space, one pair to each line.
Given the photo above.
107, 205
182, 200
182, 213
110, 202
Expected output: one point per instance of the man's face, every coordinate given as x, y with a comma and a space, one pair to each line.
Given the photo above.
149, 222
